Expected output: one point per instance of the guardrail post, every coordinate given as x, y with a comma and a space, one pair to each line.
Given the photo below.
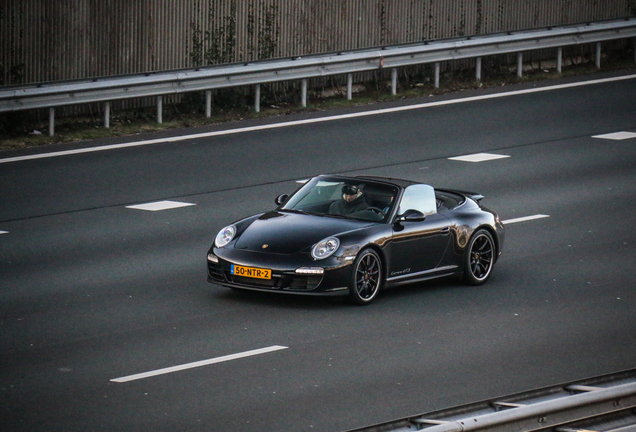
436, 74
598, 55
394, 81
51, 121
257, 98
303, 93
519, 65
208, 103
159, 109
107, 115
559, 59
349, 86
478, 69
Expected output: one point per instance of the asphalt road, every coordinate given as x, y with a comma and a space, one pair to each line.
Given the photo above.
92, 291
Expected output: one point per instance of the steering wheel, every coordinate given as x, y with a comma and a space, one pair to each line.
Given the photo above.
376, 210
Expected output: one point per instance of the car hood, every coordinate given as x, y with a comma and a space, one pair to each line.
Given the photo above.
288, 233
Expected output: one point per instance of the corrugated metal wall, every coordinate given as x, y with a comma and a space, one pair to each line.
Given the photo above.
47, 40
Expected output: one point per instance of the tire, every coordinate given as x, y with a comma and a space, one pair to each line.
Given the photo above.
479, 258
366, 277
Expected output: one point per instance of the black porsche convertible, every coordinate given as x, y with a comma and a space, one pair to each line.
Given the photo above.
354, 236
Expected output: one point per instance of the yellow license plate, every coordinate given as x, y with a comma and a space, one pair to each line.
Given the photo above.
252, 272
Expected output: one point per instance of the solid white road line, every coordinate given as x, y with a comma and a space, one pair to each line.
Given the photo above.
198, 364
524, 219
316, 120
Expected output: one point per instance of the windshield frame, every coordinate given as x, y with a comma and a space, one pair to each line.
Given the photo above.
377, 192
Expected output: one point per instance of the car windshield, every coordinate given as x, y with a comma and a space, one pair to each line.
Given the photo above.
348, 198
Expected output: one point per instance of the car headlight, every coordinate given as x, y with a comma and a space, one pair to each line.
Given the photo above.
225, 236
325, 248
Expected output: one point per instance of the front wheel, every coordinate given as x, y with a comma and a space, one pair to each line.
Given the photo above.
479, 258
366, 277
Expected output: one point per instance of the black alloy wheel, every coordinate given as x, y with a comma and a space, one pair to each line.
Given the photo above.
366, 278
479, 258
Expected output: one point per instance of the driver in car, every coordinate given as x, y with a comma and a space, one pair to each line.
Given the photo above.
352, 201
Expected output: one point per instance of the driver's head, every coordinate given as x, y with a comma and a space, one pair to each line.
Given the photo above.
350, 192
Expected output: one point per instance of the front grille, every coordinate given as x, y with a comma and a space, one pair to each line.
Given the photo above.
305, 283
274, 282
215, 272
279, 282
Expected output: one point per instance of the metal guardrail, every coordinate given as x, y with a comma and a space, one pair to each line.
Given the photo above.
107, 89
605, 403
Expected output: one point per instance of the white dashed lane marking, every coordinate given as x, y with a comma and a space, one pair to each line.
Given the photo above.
198, 364
479, 157
160, 205
617, 136
524, 219
4, 232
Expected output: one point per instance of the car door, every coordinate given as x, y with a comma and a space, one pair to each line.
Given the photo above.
418, 245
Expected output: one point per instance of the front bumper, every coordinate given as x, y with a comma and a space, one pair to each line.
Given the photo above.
333, 281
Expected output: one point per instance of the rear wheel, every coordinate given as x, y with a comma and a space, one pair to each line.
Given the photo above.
479, 258
366, 278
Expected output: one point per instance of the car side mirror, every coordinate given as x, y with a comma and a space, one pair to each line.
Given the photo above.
281, 199
411, 216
